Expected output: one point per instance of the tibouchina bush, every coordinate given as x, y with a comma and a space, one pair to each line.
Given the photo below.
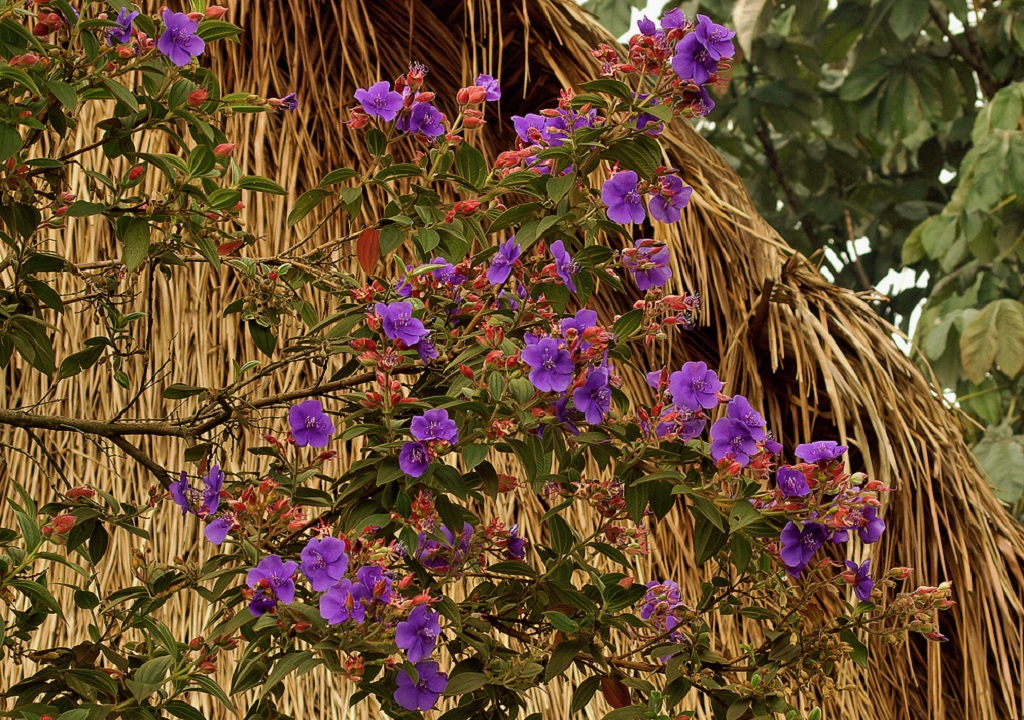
473, 369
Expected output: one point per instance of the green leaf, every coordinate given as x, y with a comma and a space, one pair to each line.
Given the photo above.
473, 455
994, 335
562, 622
907, 17
10, 141
211, 30
336, 176
184, 711
264, 338
583, 694
749, 20
1001, 454
376, 142
470, 164
136, 243
81, 208
607, 85
65, 94
859, 654
284, 667
630, 712
628, 324
179, 391
561, 658
465, 683
707, 539
261, 185
307, 202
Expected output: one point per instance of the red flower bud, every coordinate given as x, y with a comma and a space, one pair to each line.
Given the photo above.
472, 123
195, 16
77, 493
197, 98
195, 643
223, 150
208, 667
63, 523
136, 172
466, 371
41, 29
215, 12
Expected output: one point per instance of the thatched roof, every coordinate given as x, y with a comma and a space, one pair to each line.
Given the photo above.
822, 359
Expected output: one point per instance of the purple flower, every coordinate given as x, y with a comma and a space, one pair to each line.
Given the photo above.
447, 274
694, 387
565, 266
568, 416
516, 547
858, 576
502, 261
716, 38
799, 546
289, 102
434, 425
426, 350
551, 365
217, 531
566, 122
791, 482
582, 321
413, 459
701, 103
399, 324
491, 85
692, 60
648, 262
739, 409
672, 198
425, 119
645, 119
179, 41
772, 445
191, 500
422, 694
820, 451
344, 601
310, 424
531, 128
594, 399
123, 32
417, 635
620, 194
673, 19
324, 562
646, 26
271, 578
380, 100
872, 528
732, 437
261, 603
660, 597
442, 557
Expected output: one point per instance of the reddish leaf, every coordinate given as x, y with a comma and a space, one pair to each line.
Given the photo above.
229, 247
615, 692
368, 249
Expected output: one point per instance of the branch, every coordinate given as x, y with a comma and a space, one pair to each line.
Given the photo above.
765, 137
162, 474
970, 55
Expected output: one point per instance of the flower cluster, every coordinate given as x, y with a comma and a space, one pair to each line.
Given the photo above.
623, 193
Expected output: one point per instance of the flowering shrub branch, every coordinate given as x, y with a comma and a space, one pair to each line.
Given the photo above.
477, 372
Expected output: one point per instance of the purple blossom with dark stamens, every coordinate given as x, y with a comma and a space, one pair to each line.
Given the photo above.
289, 102
217, 531
716, 38
413, 459
503, 260
692, 428
873, 526
434, 425
448, 273
531, 128
858, 576
489, 84
620, 194
273, 579
648, 263
377, 581
594, 399
665, 206
820, 451
799, 546
739, 409
422, 694
551, 365
179, 41
425, 119
694, 387
261, 603
310, 424
191, 500
379, 100
582, 321
417, 634
516, 546
701, 103
399, 324
122, 34
426, 350
792, 482
568, 416
442, 557
732, 437
565, 266
692, 60
324, 562
673, 19
566, 122
344, 601
646, 26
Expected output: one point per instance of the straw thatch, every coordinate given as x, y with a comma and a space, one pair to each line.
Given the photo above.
820, 357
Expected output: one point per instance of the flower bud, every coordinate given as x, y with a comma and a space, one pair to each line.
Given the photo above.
63, 523
208, 667
195, 16
473, 123
41, 29
215, 12
195, 643
136, 172
77, 493
197, 97
125, 51
467, 372
223, 150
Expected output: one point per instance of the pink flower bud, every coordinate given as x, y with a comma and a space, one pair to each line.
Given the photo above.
197, 98
136, 172
215, 12
223, 150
